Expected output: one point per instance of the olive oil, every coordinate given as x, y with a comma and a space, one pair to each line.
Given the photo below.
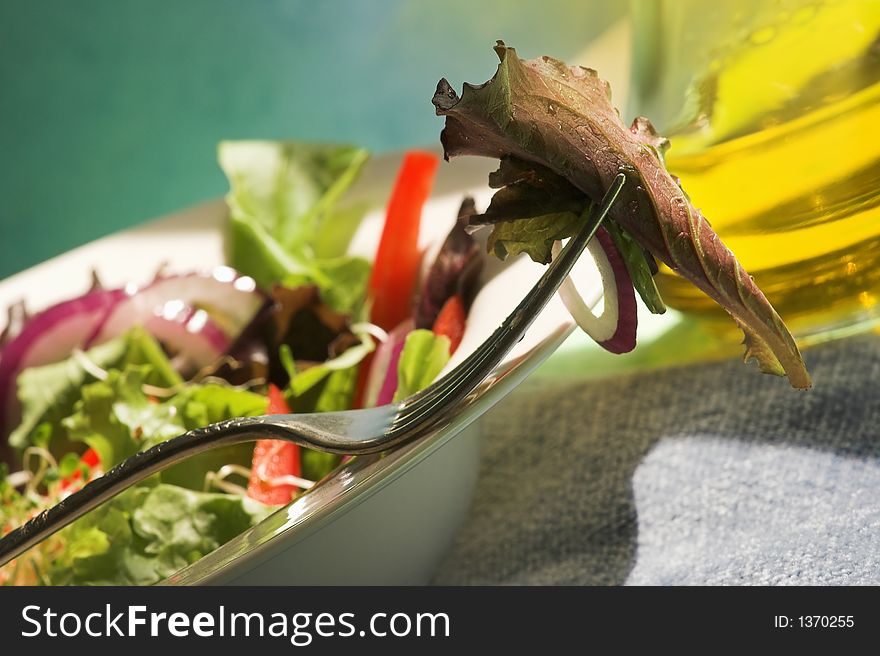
781, 152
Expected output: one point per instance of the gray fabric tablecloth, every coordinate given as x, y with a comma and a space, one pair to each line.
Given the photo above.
712, 474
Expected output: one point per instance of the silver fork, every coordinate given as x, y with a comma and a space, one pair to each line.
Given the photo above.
353, 432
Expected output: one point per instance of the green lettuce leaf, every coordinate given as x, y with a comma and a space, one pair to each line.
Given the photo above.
117, 419
287, 222
292, 190
533, 236
302, 381
148, 533
113, 416
48, 393
560, 118
638, 266
253, 251
202, 404
423, 357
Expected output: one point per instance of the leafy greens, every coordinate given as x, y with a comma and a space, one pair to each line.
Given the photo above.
148, 533
286, 222
48, 393
423, 357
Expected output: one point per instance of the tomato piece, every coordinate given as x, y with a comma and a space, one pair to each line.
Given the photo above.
274, 459
90, 459
451, 321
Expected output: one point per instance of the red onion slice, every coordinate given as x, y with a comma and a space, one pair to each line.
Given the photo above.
47, 337
194, 314
389, 385
231, 301
382, 379
615, 329
190, 334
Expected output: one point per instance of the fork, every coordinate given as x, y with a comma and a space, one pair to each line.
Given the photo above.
350, 432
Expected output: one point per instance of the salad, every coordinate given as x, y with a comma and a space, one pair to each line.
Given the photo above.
293, 323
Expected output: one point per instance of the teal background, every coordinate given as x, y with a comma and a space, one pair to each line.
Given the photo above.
110, 110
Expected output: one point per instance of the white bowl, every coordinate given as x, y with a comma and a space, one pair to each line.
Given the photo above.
375, 520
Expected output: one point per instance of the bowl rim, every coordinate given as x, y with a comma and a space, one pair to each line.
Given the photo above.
354, 482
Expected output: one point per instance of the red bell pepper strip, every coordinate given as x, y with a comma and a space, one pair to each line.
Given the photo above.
274, 459
451, 321
396, 266
398, 259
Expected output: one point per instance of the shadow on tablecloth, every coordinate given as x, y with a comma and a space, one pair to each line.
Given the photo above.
711, 474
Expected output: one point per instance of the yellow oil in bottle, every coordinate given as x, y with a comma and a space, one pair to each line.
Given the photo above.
783, 159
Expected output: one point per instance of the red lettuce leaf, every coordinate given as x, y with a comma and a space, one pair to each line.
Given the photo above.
545, 113
456, 270
296, 318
